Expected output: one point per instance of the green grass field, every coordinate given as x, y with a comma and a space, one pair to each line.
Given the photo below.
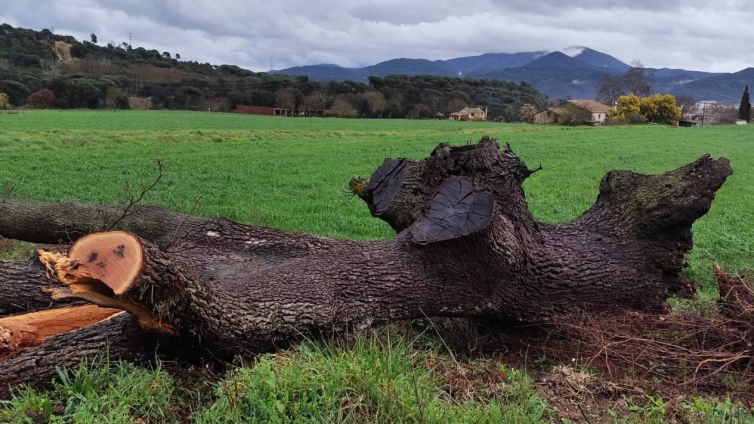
292, 174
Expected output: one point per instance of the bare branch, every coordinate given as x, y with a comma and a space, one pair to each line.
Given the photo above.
6, 193
136, 198
537, 169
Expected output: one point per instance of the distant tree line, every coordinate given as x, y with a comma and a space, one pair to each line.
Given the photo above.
395, 96
42, 69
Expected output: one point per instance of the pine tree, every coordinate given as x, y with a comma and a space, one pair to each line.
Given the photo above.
744, 111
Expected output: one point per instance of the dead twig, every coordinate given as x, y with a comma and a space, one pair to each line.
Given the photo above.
7, 192
133, 198
683, 350
537, 169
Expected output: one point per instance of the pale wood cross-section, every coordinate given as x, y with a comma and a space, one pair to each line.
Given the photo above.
112, 258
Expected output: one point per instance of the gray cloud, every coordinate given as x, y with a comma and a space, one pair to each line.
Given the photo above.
694, 34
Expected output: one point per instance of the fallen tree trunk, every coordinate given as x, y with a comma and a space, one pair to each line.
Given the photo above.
468, 246
62, 223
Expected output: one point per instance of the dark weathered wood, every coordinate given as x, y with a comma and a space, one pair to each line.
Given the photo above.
384, 184
455, 211
21, 284
385, 197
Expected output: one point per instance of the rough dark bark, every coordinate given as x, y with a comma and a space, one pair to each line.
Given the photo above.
468, 246
21, 284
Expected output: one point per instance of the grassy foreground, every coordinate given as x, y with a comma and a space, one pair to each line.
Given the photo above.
292, 174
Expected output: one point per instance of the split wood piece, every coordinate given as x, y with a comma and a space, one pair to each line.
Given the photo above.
22, 331
101, 268
115, 337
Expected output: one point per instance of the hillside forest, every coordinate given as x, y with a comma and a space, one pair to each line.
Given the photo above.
40, 69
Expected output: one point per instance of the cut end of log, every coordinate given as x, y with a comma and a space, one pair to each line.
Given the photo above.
22, 331
384, 184
455, 211
113, 258
100, 268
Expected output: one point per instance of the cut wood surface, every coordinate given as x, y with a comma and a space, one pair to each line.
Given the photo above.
101, 268
114, 258
22, 331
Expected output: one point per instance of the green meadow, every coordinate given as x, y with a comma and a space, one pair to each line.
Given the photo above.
292, 173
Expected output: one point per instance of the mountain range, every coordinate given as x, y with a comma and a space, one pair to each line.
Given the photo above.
574, 72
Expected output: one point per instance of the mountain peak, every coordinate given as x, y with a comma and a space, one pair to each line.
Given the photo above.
596, 59
574, 51
556, 60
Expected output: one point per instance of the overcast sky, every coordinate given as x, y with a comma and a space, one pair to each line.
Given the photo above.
709, 35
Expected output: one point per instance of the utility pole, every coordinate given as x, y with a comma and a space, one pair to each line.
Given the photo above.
130, 45
704, 108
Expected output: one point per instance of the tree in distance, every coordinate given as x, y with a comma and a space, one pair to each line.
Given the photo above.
744, 110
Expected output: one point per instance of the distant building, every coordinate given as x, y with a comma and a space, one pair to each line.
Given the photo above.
576, 111
550, 115
469, 114
587, 111
264, 110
